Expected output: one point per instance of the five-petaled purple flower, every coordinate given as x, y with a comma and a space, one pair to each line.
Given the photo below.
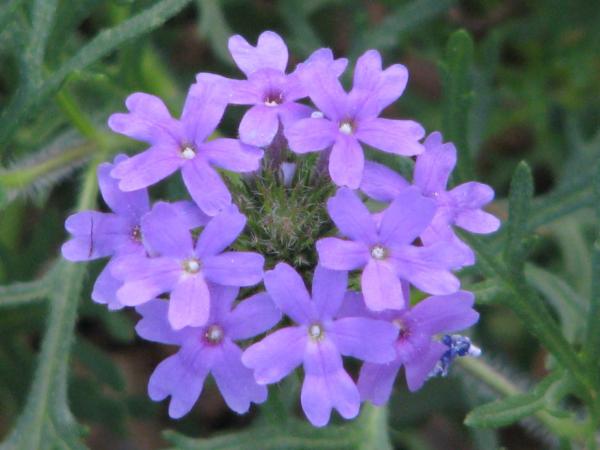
385, 250
183, 267
182, 144
98, 235
318, 341
345, 120
272, 93
208, 349
416, 347
460, 206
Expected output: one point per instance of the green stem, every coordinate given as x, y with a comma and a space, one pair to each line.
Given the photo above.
77, 117
374, 428
563, 427
23, 176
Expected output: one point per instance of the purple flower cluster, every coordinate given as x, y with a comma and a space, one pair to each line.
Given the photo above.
182, 265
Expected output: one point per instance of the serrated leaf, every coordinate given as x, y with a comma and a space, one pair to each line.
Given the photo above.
457, 98
519, 206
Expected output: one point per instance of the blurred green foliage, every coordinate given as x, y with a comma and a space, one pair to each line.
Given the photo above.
519, 82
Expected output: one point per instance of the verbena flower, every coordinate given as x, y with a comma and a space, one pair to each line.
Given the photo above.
417, 348
317, 340
385, 250
460, 206
183, 267
98, 235
208, 350
347, 119
272, 94
183, 144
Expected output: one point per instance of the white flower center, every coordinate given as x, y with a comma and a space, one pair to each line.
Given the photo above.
317, 115
214, 334
316, 332
191, 266
188, 152
378, 252
271, 103
346, 128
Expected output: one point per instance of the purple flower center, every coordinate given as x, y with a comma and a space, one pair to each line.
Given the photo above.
379, 252
188, 151
316, 332
214, 334
191, 265
273, 98
403, 329
136, 234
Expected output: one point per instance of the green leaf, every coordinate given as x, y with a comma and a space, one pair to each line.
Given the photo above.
33, 56
6, 13
592, 329
27, 100
561, 296
46, 422
519, 205
457, 98
99, 364
293, 435
386, 35
513, 408
18, 294
214, 28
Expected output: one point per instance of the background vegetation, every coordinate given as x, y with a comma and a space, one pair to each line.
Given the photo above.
521, 81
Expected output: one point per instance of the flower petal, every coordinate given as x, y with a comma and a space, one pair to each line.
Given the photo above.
154, 325
445, 313
235, 381
177, 242
434, 166
148, 120
206, 187
352, 217
234, 268
418, 369
105, 289
290, 113
270, 52
222, 230
327, 385
381, 287
328, 289
428, 268
276, 355
408, 215
324, 89
259, 125
144, 278
96, 235
203, 109
252, 316
172, 377
381, 183
310, 135
231, 154
477, 221
190, 302
400, 137
338, 254
366, 339
376, 381
346, 162
286, 288
147, 168
131, 204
